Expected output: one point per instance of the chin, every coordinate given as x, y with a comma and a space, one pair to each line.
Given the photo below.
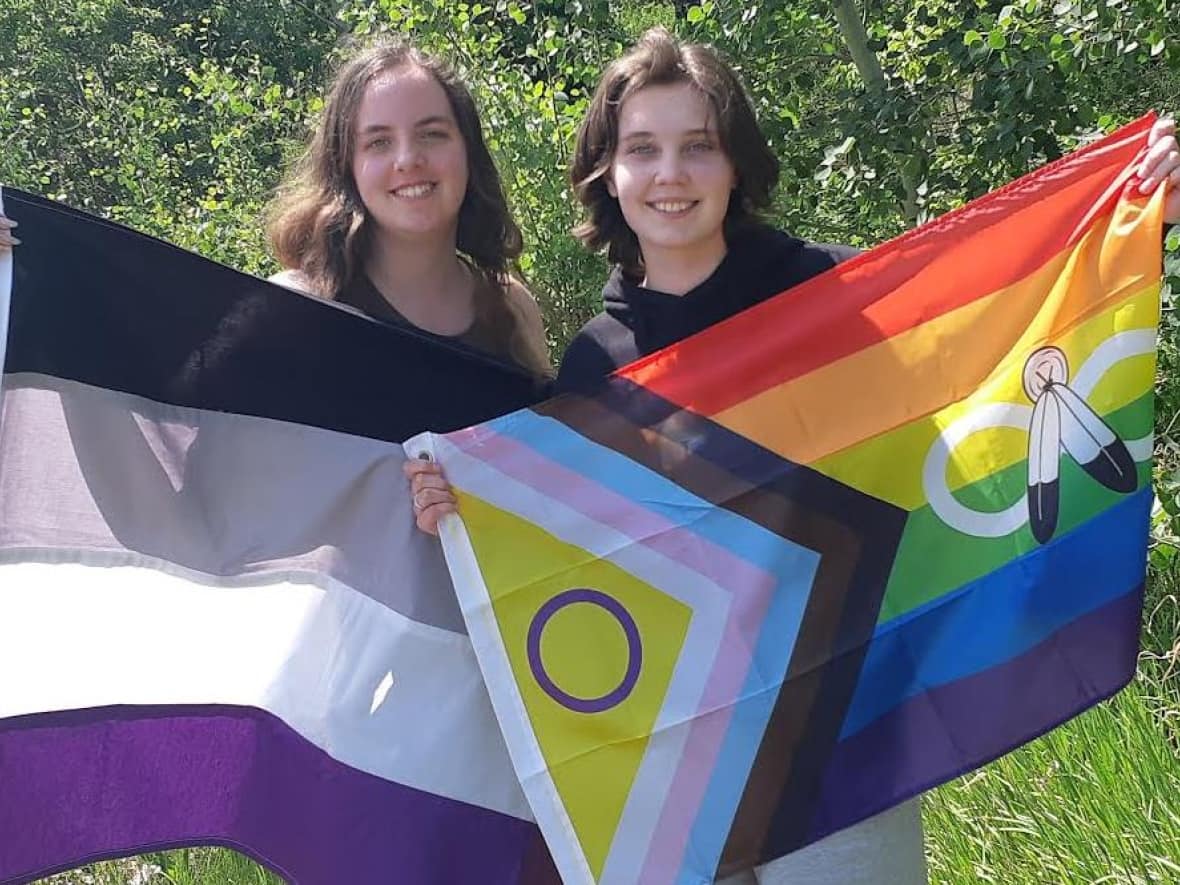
678, 243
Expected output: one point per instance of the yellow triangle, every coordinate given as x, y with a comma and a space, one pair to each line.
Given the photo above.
534, 581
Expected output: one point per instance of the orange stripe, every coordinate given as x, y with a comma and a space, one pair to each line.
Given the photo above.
904, 450
965, 255
942, 361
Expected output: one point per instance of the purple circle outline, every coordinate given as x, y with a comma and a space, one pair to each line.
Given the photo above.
634, 650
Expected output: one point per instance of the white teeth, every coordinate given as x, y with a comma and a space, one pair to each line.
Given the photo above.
672, 206
414, 190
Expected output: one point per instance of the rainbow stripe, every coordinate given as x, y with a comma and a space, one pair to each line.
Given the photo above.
861, 538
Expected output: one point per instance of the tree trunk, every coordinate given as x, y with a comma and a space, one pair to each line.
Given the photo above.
852, 29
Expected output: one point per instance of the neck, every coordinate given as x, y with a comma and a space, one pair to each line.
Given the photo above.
679, 271
425, 282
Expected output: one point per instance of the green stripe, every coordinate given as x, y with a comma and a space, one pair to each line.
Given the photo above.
934, 559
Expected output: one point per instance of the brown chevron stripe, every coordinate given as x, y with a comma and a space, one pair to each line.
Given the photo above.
856, 537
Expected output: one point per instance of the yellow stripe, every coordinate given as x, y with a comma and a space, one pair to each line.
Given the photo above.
904, 450
914, 375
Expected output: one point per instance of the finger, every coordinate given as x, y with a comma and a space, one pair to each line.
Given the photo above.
428, 481
427, 524
430, 517
1163, 127
1158, 167
1156, 152
5, 221
1164, 172
8, 241
413, 467
425, 498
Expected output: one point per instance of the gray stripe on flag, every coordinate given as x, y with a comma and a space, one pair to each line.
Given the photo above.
98, 471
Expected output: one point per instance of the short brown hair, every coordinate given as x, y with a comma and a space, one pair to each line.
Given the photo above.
318, 224
659, 59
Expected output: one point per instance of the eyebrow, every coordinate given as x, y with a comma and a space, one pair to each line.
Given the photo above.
425, 121
687, 132
435, 120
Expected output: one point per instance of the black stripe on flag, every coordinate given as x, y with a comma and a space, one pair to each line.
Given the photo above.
98, 303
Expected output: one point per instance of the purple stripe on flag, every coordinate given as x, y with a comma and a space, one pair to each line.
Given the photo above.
86, 785
953, 728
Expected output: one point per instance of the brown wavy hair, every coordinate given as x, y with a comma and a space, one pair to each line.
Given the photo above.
659, 59
317, 222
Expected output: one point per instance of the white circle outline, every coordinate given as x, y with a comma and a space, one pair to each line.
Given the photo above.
987, 524
948, 508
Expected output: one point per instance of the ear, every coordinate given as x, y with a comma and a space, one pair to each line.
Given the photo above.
609, 178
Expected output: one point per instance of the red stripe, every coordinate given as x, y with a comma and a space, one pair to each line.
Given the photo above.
962, 256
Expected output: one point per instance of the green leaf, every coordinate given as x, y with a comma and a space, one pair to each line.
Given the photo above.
972, 37
695, 14
997, 40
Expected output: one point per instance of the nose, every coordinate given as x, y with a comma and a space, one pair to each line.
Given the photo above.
670, 169
406, 155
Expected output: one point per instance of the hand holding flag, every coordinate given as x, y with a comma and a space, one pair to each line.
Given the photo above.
1162, 163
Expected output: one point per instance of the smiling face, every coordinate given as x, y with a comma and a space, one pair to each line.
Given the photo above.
670, 174
409, 159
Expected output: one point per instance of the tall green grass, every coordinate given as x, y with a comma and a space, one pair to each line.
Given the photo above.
1097, 800
190, 866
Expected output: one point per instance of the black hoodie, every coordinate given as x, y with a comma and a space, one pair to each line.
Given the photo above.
759, 264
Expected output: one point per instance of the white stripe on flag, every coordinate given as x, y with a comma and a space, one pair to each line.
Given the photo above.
5, 296
375, 690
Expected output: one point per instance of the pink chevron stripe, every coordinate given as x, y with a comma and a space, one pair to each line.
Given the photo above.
677, 542
739, 638
665, 856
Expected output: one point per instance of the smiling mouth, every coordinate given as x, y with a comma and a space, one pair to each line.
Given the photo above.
414, 191
672, 207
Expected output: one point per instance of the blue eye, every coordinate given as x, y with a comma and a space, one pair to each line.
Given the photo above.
435, 135
701, 146
641, 149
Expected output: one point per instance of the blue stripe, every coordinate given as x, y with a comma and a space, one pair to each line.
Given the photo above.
793, 564
750, 718
1004, 613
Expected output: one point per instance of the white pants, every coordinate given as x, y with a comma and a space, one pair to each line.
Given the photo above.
882, 850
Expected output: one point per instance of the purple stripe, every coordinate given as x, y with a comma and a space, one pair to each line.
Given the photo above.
624, 515
936, 736
84, 785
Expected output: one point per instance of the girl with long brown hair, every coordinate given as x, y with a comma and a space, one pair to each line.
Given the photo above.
396, 208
